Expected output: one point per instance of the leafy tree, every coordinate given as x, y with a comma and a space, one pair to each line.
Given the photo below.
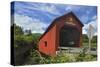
94, 40
85, 38
17, 30
28, 32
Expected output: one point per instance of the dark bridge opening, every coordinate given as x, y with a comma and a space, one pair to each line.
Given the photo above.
69, 36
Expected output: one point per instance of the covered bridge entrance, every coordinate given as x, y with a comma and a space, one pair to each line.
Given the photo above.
69, 36
65, 31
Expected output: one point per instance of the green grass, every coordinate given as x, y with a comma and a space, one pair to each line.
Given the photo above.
93, 45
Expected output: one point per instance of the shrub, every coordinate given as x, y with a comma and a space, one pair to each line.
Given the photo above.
85, 57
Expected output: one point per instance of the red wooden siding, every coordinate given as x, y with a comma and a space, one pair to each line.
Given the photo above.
49, 41
50, 38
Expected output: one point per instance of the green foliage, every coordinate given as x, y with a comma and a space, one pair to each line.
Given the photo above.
33, 58
23, 42
85, 39
37, 58
36, 37
94, 40
85, 57
28, 39
28, 32
93, 45
89, 58
17, 30
62, 58
20, 39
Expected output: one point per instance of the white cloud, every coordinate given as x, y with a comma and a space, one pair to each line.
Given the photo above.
45, 8
84, 31
84, 18
68, 8
51, 9
29, 23
94, 17
72, 8
93, 23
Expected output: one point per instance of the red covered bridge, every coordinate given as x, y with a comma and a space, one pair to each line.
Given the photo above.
64, 31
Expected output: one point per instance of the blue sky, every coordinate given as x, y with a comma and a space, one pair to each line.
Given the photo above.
38, 16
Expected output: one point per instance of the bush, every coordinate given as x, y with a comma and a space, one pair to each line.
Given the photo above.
56, 59
37, 58
85, 57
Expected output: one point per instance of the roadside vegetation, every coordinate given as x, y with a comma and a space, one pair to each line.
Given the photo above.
26, 50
